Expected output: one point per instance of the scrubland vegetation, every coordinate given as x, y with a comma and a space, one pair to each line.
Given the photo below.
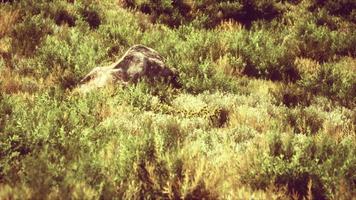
266, 109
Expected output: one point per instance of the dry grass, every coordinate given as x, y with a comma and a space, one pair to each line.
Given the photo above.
12, 83
7, 21
307, 66
8, 192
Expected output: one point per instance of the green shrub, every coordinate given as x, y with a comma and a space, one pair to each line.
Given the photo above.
64, 17
34, 29
210, 13
266, 107
341, 7
322, 44
295, 161
72, 54
292, 96
305, 121
334, 80
317, 35
119, 33
266, 58
91, 15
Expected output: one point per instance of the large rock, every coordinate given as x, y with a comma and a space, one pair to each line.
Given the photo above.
139, 62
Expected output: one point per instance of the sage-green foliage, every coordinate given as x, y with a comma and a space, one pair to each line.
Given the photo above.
266, 109
208, 13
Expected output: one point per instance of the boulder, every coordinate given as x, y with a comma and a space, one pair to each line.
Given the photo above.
138, 63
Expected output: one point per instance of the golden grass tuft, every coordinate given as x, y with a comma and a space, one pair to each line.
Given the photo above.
307, 66
230, 25
7, 21
13, 83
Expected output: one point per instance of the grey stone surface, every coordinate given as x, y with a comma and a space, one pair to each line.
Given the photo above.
138, 63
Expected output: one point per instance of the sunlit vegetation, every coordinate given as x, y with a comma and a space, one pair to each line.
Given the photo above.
266, 109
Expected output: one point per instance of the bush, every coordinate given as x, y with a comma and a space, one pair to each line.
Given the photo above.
305, 121
71, 55
296, 161
292, 96
318, 35
266, 58
34, 29
340, 8
334, 80
64, 17
210, 13
91, 16
266, 107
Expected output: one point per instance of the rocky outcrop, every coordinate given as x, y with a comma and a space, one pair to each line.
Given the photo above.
138, 63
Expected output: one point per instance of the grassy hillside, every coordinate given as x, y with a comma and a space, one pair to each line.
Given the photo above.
267, 107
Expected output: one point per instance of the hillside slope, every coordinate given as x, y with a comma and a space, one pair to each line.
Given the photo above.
267, 107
